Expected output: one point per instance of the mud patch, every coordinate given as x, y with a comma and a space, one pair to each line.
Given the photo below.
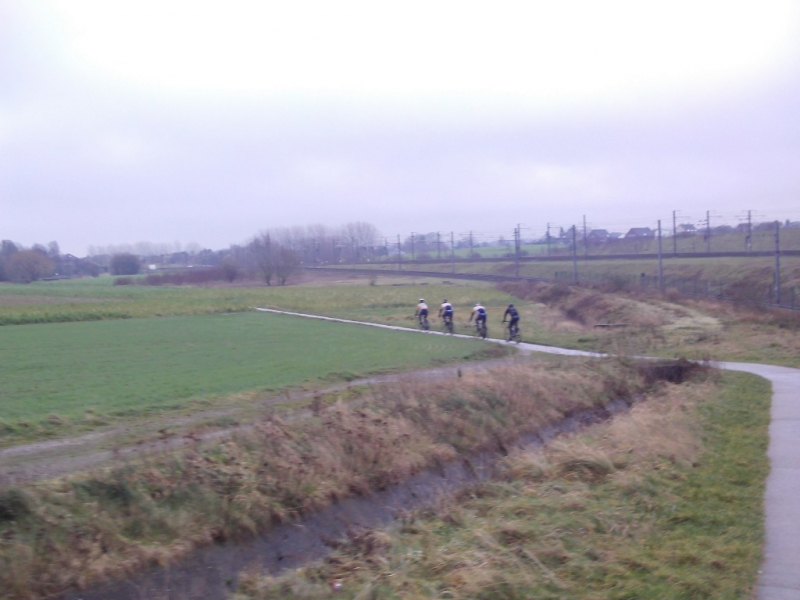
677, 371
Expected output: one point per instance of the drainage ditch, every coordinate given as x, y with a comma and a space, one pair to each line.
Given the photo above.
211, 573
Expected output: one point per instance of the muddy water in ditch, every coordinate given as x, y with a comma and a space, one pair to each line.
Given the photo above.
211, 573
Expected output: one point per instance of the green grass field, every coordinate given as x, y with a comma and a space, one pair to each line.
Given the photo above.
124, 367
99, 299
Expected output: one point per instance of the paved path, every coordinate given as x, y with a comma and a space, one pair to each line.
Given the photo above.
779, 578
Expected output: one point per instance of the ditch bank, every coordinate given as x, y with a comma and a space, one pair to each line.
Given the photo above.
212, 572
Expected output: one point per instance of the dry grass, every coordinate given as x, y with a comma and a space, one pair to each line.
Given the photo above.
108, 523
662, 325
643, 506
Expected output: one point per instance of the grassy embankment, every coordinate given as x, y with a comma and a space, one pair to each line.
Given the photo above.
107, 523
658, 325
760, 241
663, 502
752, 271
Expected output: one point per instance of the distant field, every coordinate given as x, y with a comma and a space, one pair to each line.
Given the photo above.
761, 240
725, 268
59, 371
389, 301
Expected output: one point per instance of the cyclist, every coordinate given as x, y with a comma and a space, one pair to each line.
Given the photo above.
479, 312
422, 312
513, 317
446, 312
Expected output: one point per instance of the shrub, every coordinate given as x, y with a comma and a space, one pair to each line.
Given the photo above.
28, 265
125, 264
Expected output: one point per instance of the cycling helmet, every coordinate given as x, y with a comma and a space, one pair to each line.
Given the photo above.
422, 299
477, 304
445, 300
510, 306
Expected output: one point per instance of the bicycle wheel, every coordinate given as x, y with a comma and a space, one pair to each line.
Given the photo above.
448, 325
483, 331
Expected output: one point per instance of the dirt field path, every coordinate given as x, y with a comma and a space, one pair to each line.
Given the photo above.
64, 456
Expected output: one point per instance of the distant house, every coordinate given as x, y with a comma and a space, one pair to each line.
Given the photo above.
639, 233
685, 229
68, 265
768, 226
598, 236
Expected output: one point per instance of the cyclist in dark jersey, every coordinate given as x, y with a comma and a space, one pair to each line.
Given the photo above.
513, 317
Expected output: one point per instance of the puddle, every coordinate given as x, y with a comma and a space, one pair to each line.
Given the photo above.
211, 573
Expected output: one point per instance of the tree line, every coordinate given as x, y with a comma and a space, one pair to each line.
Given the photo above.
271, 255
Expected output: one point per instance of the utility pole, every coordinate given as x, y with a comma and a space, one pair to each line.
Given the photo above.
547, 237
453, 251
674, 233
708, 232
516, 249
439, 245
660, 264
585, 245
574, 255
748, 242
470, 245
777, 262
399, 254
412, 246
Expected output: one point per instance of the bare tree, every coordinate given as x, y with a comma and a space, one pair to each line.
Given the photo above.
360, 239
287, 261
229, 268
261, 250
273, 255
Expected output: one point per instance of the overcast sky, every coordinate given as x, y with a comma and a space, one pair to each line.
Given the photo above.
205, 122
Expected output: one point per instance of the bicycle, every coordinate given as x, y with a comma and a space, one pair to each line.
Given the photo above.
447, 324
513, 333
480, 327
423, 322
